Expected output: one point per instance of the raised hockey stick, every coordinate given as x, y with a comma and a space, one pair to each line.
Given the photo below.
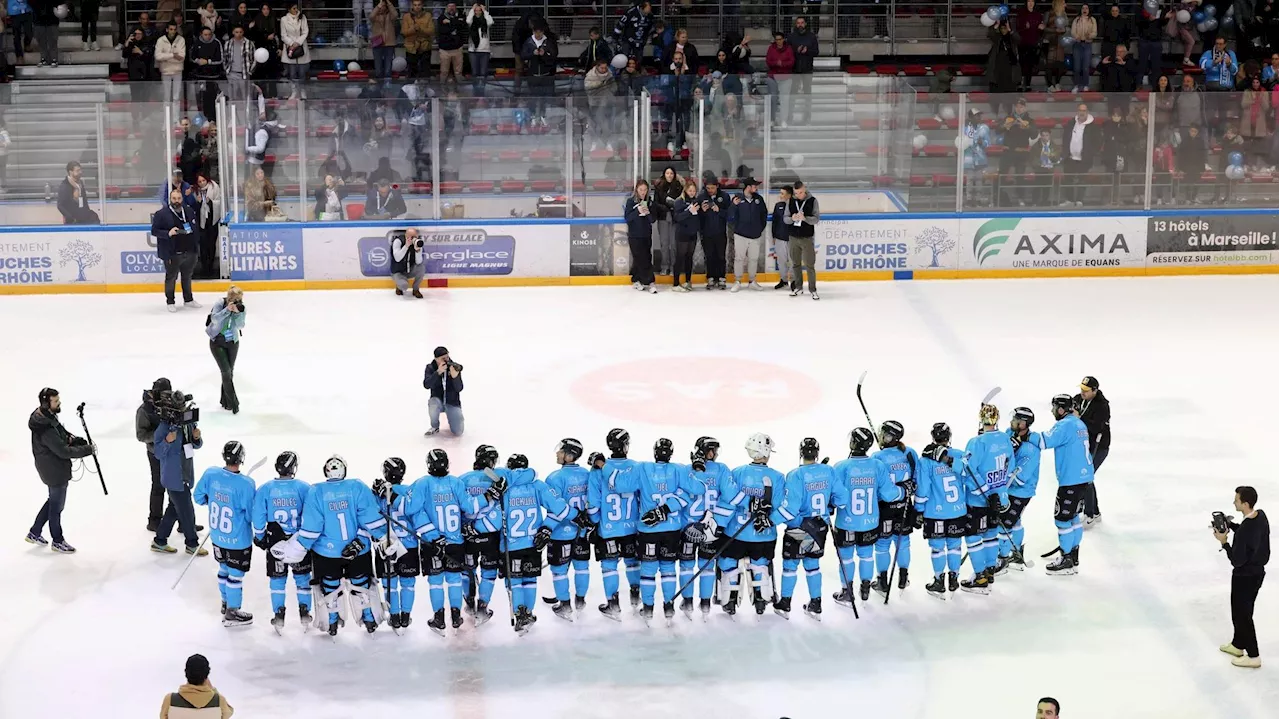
256, 466
893, 556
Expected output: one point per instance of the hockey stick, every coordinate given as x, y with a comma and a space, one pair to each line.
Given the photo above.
256, 466
711, 562
506, 549
906, 514
89, 438
893, 556
848, 583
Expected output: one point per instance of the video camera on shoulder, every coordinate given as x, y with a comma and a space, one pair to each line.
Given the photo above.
177, 408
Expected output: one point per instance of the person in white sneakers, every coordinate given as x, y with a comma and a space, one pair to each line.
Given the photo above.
1249, 555
749, 215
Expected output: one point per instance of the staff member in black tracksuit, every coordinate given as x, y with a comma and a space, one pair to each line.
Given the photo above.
1095, 412
1249, 555
174, 228
781, 233
640, 220
687, 223
713, 212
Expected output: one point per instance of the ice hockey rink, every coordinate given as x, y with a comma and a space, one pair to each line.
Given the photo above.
1189, 364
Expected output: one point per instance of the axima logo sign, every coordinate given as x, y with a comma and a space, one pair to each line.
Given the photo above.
996, 236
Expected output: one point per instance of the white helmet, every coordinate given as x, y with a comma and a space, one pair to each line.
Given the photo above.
759, 446
335, 467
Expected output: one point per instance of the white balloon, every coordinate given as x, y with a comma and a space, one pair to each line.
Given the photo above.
797, 160
261, 55
987, 20
399, 64
919, 141
963, 142
947, 112
353, 66
1210, 24
619, 61
1184, 16
62, 11
352, 91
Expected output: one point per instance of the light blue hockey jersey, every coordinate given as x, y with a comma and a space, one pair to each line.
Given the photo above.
523, 504
338, 511
1026, 467
988, 460
861, 484
1069, 440
405, 504
808, 490
611, 502
475, 482
902, 463
711, 479
570, 484
939, 491
664, 483
745, 483
281, 501
446, 505
230, 499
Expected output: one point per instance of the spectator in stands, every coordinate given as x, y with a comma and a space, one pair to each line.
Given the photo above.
479, 25
601, 94
597, 50
240, 63
256, 146
1164, 100
1182, 30
1271, 72
176, 182
1192, 161
521, 31
206, 57
189, 159
802, 217
635, 29
139, 57
88, 25
197, 699
240, 18
419, 29
330, 198
1044, 158
1248, 70
631, 80
1231, 142
20, 23
296, 57
1079, 148
1189, 105
780, 229
805, 46
207, 16
5, 142
384, 202
1028, 26
1162, 169
1018, 137
682, 45
1150, 30
73, 198
259, 195
737, 48
639, 215
1256, 122
379, 143
1114, 30
46, 23
666, 191
540, 57
382, 38
713, 213
781, 61
1002, 66
663, 35
687, 224
1116, 136
1056, 25
451, 31
977, 137
1083, 31
1119, 78
209, 209
1219, 66
170, 55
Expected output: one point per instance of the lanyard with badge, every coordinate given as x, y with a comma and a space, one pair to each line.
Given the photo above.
186, 227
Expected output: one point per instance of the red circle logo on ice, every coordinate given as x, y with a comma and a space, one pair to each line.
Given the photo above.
696, 391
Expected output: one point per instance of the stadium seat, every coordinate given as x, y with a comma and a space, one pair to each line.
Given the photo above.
355, 210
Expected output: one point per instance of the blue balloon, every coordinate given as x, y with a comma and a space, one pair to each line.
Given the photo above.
1066, 42
1004, 11
318, 40
339, 66
994, 12
522, 117
1068, 62
1197, 17
1228, 21
1211, 10
198, 121
1235, 158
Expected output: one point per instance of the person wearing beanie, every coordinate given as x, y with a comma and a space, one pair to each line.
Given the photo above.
443, 378
749, 216
145, 422
197, 699
1095, 412
53, 448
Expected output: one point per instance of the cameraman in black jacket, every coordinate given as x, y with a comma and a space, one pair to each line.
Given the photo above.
53, 448
1249, 555
145, 422
1095, 412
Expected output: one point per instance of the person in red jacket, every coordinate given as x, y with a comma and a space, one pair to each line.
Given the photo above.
781, 60
1028, 24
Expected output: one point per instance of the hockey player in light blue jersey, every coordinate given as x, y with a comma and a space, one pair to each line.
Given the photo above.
400, 504
277, 516
339, 521
569, 545
807, 500
696, 547
613, 509
1022, 486
748, 509
481, 535
444, 508
987, 462
1069, 440
229, 495
862, 484
664, 490
525, 533
896, 518
943, 512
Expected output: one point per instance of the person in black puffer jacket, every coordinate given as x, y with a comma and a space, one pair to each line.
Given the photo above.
145, 422
687, 223
53, 448
640, 216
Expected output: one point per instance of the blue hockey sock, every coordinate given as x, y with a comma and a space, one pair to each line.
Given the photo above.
938, 553
560, 580
813, 577
954, 554
581, 577
609, 577
648, 580
468, 576
688, 567
1006, 547
977, 557
435, 589
302, 585
1066, 533
848, 569
668, 569
222, 582
235, 588
789, 567
485, 592
1077, 535
1018, 532
633, 572
706, 580
867, 565
990, 547
453, 586
408, 592
277, 593
529, 587
882, 554
393, 594
904, 551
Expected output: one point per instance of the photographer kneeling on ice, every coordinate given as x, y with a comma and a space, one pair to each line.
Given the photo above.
444, 380
406, 262
176, 439
224, 325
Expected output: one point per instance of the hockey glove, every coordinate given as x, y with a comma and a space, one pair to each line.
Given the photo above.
762, 523
908, 488
1017, 442
816, 528
938, 453
761, 507
993, 502
261, 542
438, 544
496, 489
699, 462
583, 519
595, 460
469, 532
541, 537
695, 533
919, 520
718, 533
354, 549
380, 488
392, 548
656, 516
289, 551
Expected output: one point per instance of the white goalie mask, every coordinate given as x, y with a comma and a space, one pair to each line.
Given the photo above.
759, 446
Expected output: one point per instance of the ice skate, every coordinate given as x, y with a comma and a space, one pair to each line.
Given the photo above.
564, 610
704, 606
844, 597
1063, 566
881, 586
579, 604
277, 622
864, 590
236, 618
980, 584
668, 611
1015, 561
936, 588
782, 607
370, 625
646, 613
953, 582
304, 616
455, 617
611, 609
482, 612
405, 621
686, 606
903, 583
523, 620
814, 609
635, 598
436, 622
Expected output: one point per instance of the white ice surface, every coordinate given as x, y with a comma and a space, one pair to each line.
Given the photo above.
1190, 365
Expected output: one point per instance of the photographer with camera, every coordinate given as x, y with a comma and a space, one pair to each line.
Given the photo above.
406, 262
53, 448
444, 380
1249, 555
175, 441
224, 325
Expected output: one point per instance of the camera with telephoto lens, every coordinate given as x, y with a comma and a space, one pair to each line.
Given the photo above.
455, 366
1221, 523
238, 304
177, 408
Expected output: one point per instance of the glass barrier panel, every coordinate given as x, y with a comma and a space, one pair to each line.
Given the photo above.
40, 148
1230, 159
268, 162
136, 146
603, 148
